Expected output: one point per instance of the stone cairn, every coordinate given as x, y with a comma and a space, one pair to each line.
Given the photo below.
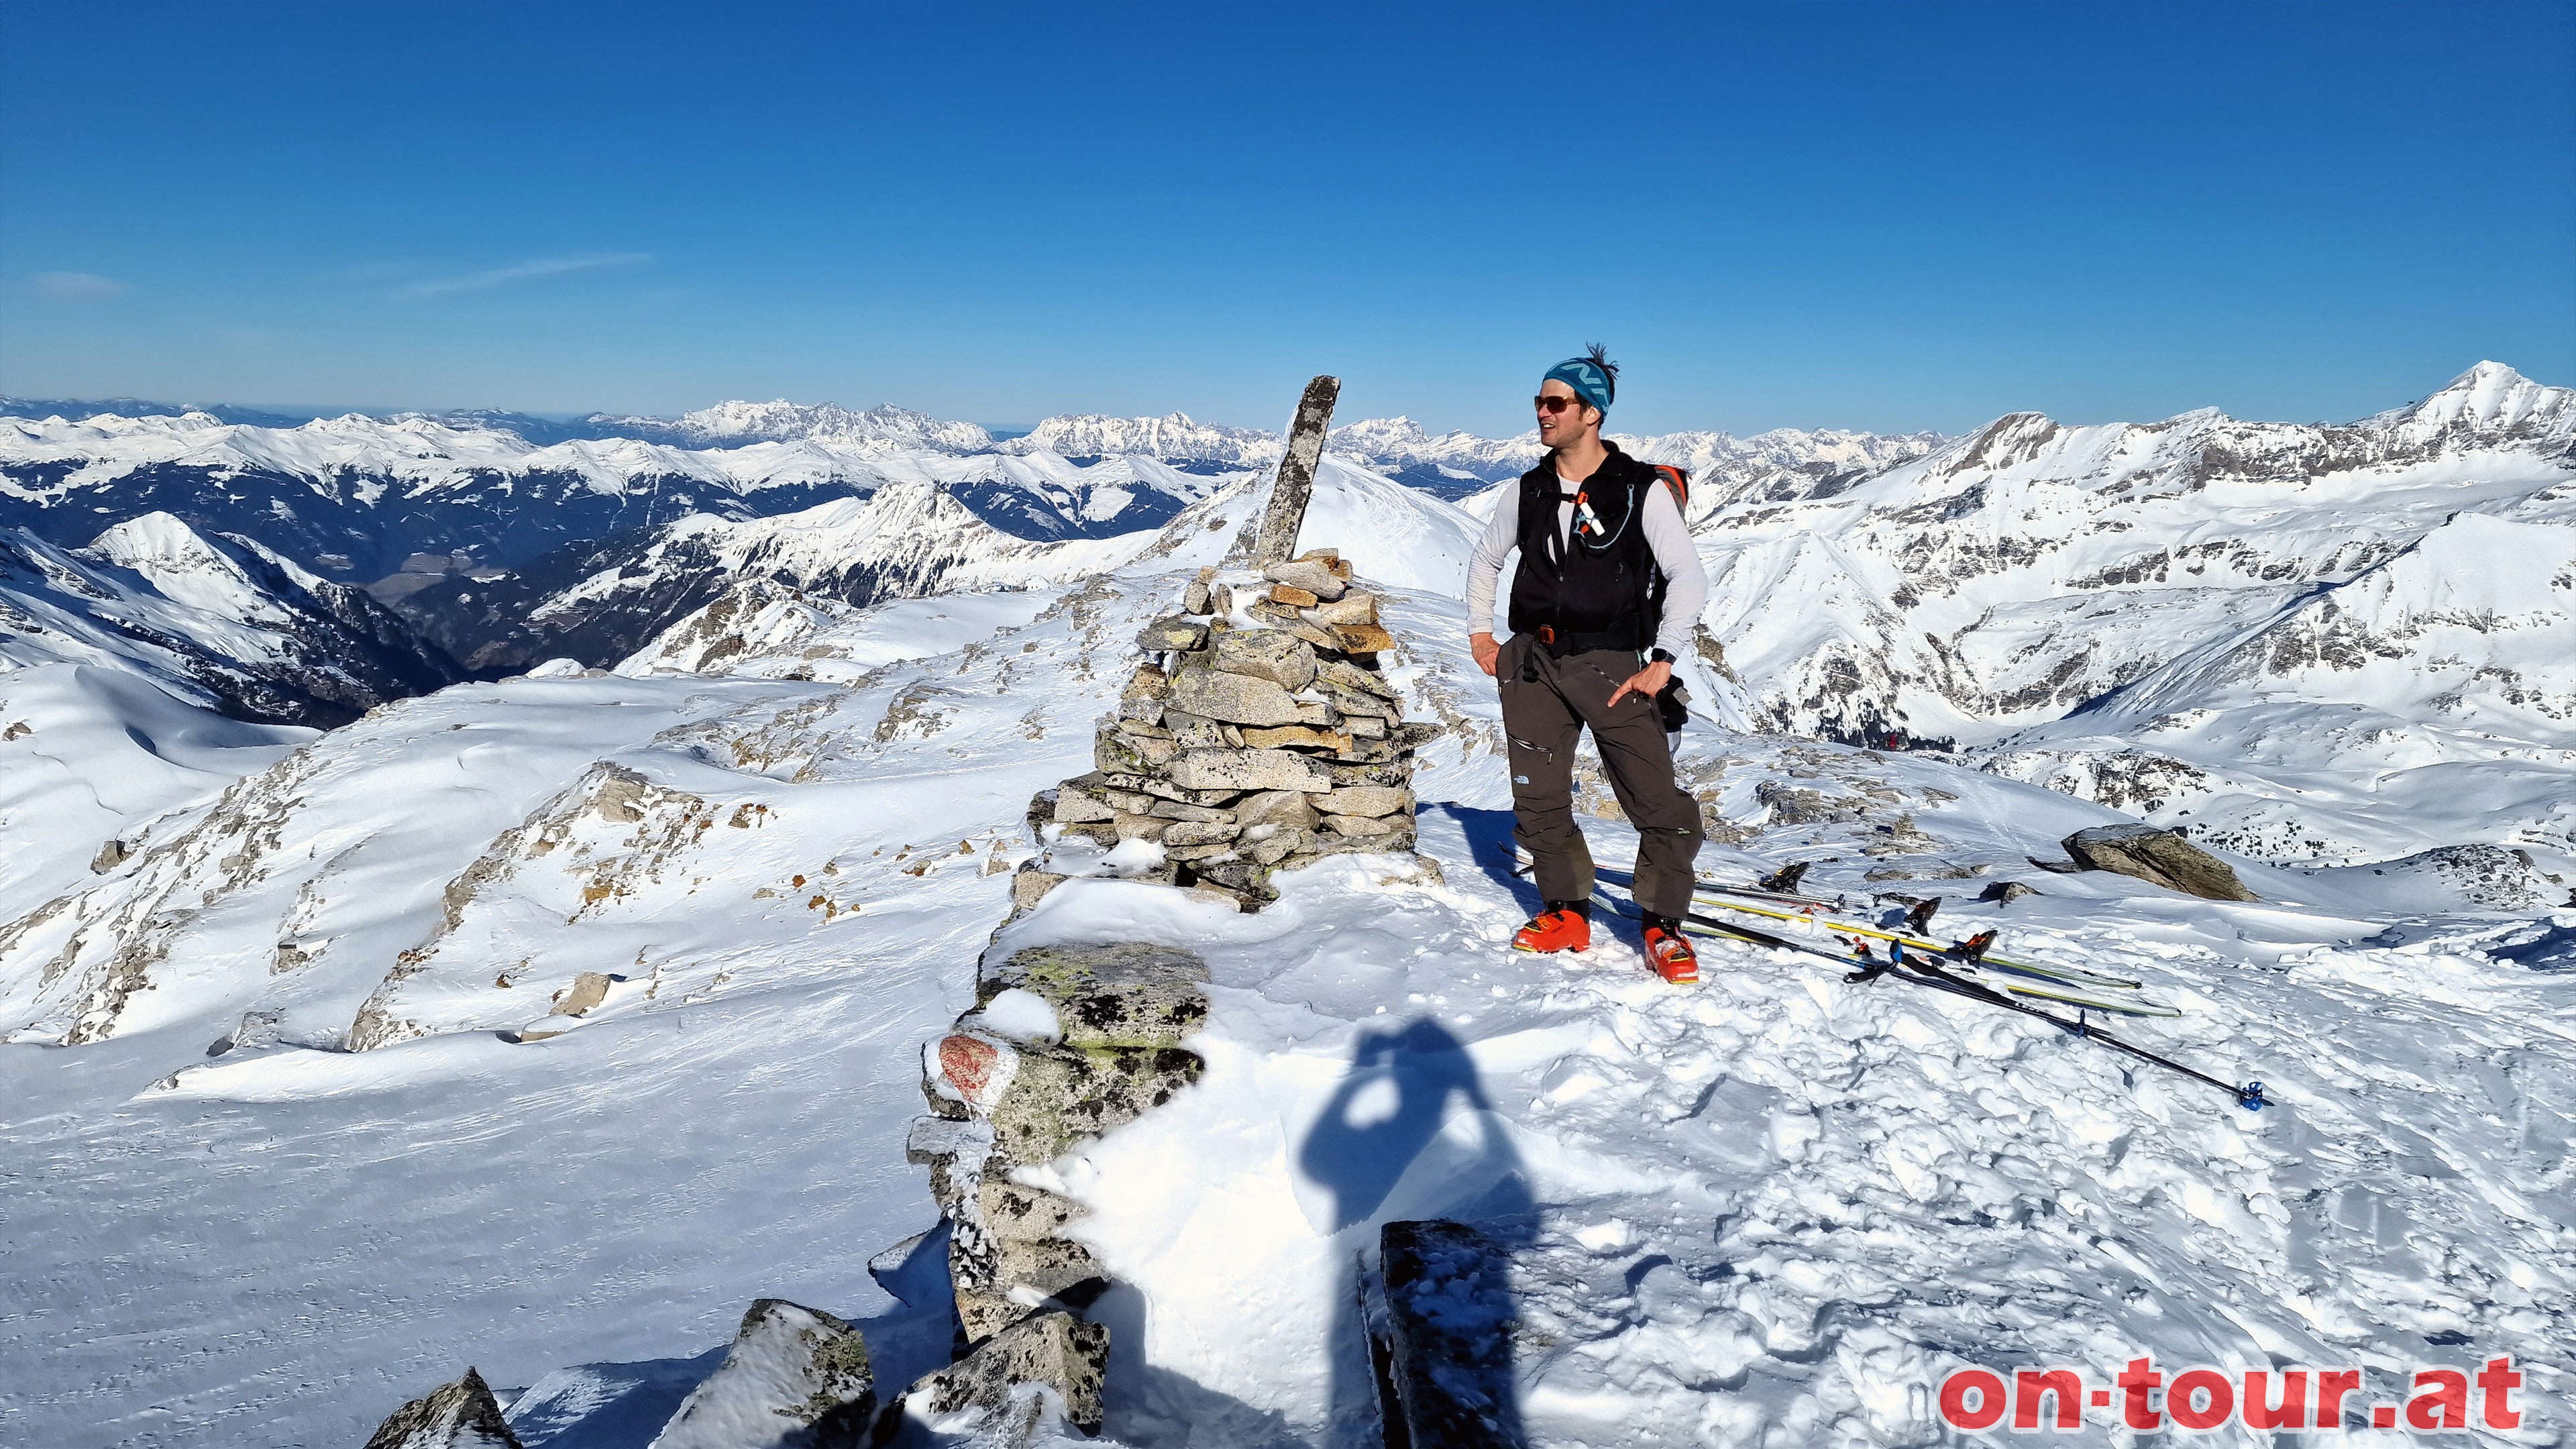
1256, 735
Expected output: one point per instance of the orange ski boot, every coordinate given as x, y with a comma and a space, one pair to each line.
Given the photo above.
1558, 928
1674, 959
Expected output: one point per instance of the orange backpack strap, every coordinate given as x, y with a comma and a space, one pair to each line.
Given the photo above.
1678, 481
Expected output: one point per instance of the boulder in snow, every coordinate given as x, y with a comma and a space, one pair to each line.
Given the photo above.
2158, 857
1056, 1351
461, 1415
795, 1378
2005, 892
1440, 1333
915, 1271
1012, 1258
587, 990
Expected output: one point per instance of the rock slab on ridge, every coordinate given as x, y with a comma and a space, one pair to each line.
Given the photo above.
461, 1415
795, 1378
2158, 857
1057, 1350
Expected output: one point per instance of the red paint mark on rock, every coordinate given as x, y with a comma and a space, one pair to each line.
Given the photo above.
968, 1065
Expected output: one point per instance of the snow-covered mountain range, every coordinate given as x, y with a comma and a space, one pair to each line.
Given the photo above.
220, 622
2174, 618
490, 532
2202, 620
299, 1135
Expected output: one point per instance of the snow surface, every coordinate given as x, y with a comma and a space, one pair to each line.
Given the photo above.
1773, 1209
323, 1140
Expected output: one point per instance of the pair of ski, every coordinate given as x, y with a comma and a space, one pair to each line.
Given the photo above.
2066, 985
1929, 973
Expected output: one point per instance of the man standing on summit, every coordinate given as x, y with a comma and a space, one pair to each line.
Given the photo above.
1608, 590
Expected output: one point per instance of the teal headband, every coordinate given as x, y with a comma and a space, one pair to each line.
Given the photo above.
1587, 379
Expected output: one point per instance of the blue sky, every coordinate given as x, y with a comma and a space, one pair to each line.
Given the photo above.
1823, 214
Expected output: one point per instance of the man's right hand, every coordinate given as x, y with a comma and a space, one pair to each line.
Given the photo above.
1485, 650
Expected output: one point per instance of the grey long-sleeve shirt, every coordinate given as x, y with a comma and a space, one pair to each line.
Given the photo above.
1685, 581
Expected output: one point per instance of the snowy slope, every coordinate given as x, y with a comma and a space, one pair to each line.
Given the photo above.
918, 538
90, 751
1771, 1210
2199, 617
220, 622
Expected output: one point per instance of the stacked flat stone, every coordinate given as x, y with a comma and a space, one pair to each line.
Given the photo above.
1257, 735
1007, 1092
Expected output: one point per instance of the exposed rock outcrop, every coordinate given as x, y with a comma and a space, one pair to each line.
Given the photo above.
1058, 1352
795, 1378
461, 1415
2158, 857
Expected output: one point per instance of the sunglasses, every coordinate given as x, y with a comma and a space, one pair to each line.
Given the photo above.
1551, 404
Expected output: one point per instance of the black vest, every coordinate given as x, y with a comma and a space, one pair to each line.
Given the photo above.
1594, 592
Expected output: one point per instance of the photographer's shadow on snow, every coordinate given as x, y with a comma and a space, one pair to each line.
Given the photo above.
1409, 1135
1490, 845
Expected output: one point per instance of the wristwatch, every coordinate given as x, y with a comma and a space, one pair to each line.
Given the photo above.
1662, 656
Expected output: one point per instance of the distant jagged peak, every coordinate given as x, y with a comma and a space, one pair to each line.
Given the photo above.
2490, 398
1386, 434
1174, 435
781, 421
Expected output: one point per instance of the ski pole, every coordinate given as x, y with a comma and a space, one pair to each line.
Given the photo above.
2249, 1095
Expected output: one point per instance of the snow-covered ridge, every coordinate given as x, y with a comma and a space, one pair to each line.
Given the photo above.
1174, 438
879, 428
221, 623
2182, 618
746, 446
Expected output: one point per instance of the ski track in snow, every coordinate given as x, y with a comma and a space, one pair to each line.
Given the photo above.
1771, 1210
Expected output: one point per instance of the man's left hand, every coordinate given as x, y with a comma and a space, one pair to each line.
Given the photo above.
1646, 683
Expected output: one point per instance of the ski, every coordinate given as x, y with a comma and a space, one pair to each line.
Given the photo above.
1917, 972
2069, 997
2123, 1005
2065, 975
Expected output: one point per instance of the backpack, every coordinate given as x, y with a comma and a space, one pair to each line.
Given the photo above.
1679, 482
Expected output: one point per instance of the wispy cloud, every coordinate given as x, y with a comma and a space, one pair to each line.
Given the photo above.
525, 272
78, 286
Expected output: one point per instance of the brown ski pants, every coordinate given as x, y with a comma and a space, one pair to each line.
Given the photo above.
1547, 702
